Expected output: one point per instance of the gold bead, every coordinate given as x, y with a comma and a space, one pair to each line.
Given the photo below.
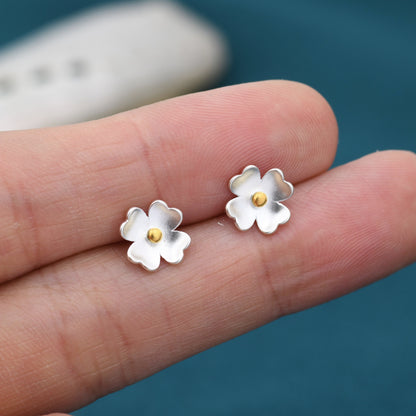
154, 235
259, 199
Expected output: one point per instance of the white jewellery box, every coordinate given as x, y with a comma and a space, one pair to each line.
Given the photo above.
106, 60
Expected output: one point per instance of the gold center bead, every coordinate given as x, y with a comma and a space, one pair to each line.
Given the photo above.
259, 199
154, 235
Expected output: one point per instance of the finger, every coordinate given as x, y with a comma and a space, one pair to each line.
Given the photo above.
96, 323
65, 190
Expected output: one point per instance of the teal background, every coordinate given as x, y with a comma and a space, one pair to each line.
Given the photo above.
352, 356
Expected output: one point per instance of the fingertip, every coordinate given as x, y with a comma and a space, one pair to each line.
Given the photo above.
316, 132
396, 178
396, 169
405, 159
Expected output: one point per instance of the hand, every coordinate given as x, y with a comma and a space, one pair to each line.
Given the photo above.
79, 321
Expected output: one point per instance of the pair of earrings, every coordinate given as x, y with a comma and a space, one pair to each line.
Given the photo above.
155, 235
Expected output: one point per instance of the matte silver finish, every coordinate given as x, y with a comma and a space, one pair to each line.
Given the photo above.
145, 252
272, 213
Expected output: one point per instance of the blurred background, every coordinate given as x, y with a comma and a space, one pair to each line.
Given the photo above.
352, 356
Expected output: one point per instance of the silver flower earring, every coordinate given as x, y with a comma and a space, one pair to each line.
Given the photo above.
258, 199
155, 235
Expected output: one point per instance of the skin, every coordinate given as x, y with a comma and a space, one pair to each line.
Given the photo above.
78, 321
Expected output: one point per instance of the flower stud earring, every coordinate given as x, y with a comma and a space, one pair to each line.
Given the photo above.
155, 235
258, 199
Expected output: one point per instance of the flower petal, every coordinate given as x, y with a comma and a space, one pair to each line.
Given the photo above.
247, 183
145, 253
271, 215
275, 186
243, 211
136, 225
173, 246
163, 217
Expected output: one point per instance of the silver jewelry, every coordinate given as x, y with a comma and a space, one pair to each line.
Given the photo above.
258, 199
155, 235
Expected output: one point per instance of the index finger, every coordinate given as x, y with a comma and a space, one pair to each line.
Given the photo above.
65, 190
